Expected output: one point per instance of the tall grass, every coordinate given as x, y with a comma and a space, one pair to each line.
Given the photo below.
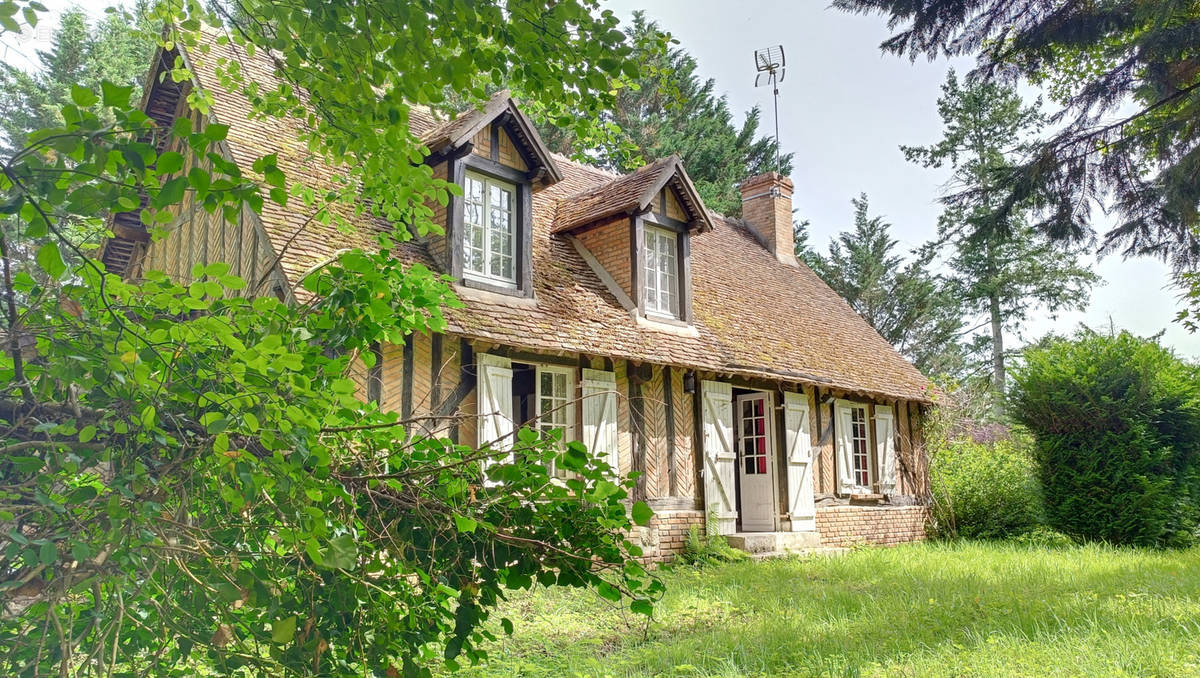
935, 609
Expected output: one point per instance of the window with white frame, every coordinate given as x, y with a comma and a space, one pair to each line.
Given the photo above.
555, 397
859, 447
489, 229
661, 273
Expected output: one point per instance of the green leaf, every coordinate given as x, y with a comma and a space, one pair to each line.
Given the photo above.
82, 96
341, 554
216, 132
170, 193
48, 553
641, 606
87, 433
169, 163
641, 513
507, 625
115, 96
51, 261
283, 630
465, 524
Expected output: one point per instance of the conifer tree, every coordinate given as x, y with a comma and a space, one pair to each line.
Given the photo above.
1001, 268
1124, 73
903, 301
669, 110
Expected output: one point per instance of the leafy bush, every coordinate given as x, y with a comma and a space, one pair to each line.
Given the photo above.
984, 490
1116, 424
704, 549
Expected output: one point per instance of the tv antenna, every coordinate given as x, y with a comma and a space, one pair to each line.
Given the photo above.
770, 62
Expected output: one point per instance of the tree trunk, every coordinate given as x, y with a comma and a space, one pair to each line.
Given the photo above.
997, 348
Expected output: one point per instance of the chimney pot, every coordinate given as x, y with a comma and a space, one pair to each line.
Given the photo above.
767, 207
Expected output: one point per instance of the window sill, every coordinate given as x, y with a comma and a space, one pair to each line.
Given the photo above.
493, 294
668, 325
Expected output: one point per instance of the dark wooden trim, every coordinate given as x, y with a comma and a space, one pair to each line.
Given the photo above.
454, 227
669, 404
663, 221
466, 384
435, 369
781, 488
637, 424
519, 356
406, 388
494, 138
685, 277
375, 376
524, 256
635, 271
496, 170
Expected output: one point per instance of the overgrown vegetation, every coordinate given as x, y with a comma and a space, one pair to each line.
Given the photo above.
1116, 425
187, 483
984, 490
934, 609
702, 549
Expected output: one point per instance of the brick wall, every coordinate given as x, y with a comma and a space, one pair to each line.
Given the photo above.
880, 525
664, 537
609, 243
767, 206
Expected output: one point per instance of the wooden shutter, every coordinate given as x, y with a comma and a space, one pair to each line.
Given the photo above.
600, 416
495, 403
798, 441
885, 448
719, 457
845, 447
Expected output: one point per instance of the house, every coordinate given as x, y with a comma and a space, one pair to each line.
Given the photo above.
688, 346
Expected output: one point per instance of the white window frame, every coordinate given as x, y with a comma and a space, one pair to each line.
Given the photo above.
486, 276
568, 406
653, 239
866, 453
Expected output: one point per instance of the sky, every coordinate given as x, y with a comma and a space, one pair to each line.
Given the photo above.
844, 110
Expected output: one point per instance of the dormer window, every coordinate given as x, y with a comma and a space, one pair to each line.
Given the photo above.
661, 291
489, 230
498, 160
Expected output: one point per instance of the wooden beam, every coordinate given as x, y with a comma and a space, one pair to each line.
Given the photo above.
669, 403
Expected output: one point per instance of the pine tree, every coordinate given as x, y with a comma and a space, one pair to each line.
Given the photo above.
670, 110
904, 302
1124, 73
1001, 268
117, 49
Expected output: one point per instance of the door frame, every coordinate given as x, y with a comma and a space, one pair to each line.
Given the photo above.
771, 433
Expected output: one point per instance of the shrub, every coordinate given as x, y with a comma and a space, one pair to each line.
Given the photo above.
703, 549
984, 490
1116, 425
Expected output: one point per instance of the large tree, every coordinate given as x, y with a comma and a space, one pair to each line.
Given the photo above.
669, 110
903, 301
1000, 268
1125, 73
188, 485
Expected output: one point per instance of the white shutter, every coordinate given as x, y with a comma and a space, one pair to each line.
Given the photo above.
798, 439
845, 447
495, 403
885, 448
719, 457
600, 416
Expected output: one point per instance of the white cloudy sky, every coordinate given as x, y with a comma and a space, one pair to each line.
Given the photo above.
844, 110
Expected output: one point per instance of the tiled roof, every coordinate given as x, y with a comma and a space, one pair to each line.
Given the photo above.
754, 316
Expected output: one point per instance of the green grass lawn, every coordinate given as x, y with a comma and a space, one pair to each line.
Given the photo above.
921, 610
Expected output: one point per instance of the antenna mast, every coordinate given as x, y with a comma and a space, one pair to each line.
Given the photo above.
770, 62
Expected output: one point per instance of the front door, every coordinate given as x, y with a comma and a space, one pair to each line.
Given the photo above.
756, 457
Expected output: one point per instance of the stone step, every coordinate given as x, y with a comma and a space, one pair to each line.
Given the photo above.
770, 542
827, 551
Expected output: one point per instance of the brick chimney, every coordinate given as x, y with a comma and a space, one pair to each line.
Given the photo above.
767, 206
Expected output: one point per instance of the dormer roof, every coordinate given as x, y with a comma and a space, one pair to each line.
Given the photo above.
453, 134
633, 193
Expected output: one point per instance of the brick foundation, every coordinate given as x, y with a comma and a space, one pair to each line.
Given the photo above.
666, 534
880, 525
